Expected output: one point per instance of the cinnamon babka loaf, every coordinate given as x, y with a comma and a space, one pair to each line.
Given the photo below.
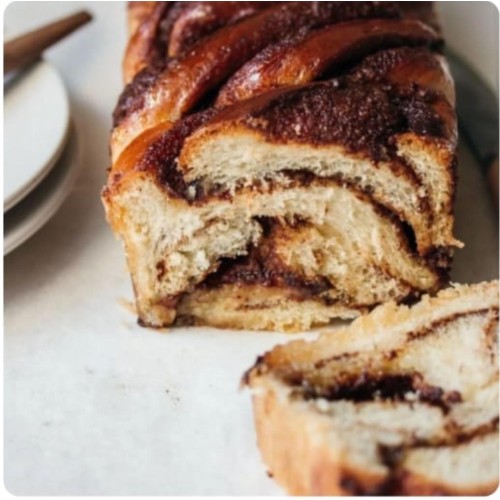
417, 415
280, 164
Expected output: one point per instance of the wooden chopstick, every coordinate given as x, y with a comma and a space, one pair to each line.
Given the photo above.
27, 48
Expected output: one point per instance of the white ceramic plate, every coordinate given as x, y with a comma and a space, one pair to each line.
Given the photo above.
28, 216
36, 121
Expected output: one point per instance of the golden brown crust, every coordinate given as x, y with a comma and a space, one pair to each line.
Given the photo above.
143, 47
128, 161
282, 437
137, 13
200, 19
260, 308
400, 95
308, 57
183, 84
160, 30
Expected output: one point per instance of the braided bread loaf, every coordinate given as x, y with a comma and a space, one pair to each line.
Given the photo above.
404, 401
280, 164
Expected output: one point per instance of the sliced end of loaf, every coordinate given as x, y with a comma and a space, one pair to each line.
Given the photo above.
309, 248
404, 401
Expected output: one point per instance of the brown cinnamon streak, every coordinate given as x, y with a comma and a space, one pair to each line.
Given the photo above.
403, 66
160, 157
361, 117
261, 266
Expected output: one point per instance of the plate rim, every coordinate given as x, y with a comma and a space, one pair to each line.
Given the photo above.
26, 188
51, 201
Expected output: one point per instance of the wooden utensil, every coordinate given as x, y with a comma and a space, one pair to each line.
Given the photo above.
27, 48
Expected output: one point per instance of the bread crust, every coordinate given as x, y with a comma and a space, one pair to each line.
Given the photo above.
200, 19
305, 451
142, 46
256, 307
137, 13
379, 134
181, 86
284, 434
297, 62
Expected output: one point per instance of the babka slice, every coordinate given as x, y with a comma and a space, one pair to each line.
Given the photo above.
292, 164
404, 401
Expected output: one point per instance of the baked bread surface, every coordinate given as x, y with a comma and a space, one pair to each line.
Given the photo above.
402, 402
277, 165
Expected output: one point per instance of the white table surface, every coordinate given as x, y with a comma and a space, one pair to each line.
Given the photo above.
94, 404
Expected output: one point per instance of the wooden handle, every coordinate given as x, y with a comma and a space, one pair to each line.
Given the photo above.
28, 48
493, 181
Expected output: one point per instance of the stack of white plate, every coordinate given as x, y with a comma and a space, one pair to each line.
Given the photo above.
40, 151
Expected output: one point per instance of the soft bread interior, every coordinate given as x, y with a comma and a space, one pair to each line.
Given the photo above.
466, 467
208, 157
350, 154
434, 165
407, 417
173, 245
262, 307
